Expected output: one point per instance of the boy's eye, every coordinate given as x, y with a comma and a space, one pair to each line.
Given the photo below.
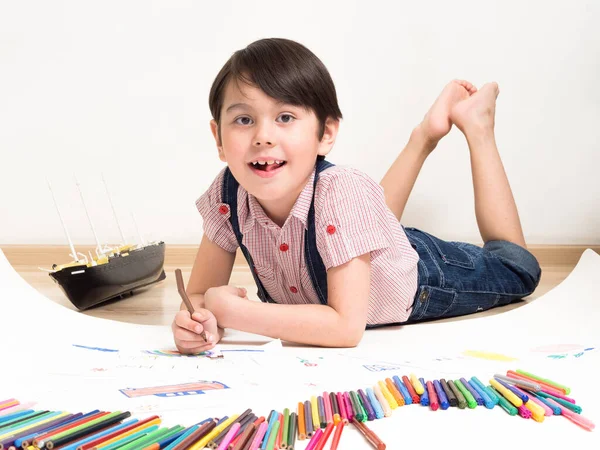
242, 118
291, 118
288, 119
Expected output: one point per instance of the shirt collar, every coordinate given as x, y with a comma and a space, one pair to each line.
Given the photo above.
299, 210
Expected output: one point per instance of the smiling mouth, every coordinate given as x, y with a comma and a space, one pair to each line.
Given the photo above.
267, 167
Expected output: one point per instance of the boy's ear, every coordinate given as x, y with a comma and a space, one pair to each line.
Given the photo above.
330, 133
214, 128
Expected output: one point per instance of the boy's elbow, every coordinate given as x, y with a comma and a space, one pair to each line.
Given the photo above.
352, 335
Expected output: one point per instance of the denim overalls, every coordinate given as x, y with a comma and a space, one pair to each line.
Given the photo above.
455, 278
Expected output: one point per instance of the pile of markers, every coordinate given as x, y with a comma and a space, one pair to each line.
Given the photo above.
317, 419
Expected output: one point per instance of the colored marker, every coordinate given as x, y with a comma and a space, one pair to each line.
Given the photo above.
472, 391
367, 405
471, 403
508, 395
444, 404
400, 386
425, 394
449, 394
545, 380
503, 403
515, 390
411, 389
433, 399
417, 384
485, 389
375, 404
487, 401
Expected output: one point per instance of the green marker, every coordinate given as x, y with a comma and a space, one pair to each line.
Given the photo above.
504, 404
575, 408
273, 436
545, 380
286, 428
355, 406
462, 402
362, 408
468, 396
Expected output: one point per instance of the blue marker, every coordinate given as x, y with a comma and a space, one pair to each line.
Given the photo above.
444, 404
555, 409
515, 390
425, 396
375, 403
473, 392
403, 390
487, 401
485, 389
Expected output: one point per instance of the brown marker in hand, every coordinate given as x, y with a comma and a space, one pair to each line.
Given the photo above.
185, 298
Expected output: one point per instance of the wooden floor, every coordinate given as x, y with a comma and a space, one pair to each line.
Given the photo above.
158, 304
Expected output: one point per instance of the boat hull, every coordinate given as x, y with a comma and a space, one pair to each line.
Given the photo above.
87, 287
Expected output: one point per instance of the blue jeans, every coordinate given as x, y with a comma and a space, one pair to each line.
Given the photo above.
456, 278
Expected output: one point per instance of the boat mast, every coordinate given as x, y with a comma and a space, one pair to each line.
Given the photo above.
113, 210
73, 252
99, 249
138, 230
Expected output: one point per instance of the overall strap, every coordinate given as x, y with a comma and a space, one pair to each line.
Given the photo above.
314, 262
229, 196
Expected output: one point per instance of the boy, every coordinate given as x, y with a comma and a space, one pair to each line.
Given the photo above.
324, 243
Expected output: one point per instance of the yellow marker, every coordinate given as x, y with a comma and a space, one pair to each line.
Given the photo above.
215, 431
129, 433
508, 395
314, 406
388, 395
537, 412
336, 419
419, 389
387, 412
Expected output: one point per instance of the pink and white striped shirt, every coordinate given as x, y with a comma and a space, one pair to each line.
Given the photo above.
351, 219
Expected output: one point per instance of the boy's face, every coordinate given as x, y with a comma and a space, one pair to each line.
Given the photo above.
256, 127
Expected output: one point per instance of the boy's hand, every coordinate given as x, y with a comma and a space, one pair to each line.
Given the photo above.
221, 300
186, 331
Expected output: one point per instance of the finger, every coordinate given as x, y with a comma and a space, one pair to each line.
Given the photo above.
181, 334
195, 349
202, 316
187, 345
192, 325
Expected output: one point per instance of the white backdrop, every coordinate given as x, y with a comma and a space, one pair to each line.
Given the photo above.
121, 88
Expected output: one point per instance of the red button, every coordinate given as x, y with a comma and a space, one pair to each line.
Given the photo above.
293, 289
223, 209
331, 229
284, 247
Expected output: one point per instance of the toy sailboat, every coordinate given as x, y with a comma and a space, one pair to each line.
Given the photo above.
113, 273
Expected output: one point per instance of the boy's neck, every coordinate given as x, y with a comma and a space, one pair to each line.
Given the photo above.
279, 210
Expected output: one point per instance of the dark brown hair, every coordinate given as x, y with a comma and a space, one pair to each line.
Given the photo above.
284, 70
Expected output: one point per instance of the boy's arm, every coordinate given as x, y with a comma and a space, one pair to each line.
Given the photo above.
341, 323
212, 267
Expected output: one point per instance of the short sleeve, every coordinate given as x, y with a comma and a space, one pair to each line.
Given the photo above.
215, 216
350, 214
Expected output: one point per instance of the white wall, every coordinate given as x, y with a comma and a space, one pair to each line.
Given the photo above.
121, 88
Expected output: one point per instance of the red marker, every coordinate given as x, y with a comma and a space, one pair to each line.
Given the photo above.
433, 398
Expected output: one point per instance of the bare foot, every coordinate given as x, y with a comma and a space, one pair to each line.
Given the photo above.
476, 114
437, 123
